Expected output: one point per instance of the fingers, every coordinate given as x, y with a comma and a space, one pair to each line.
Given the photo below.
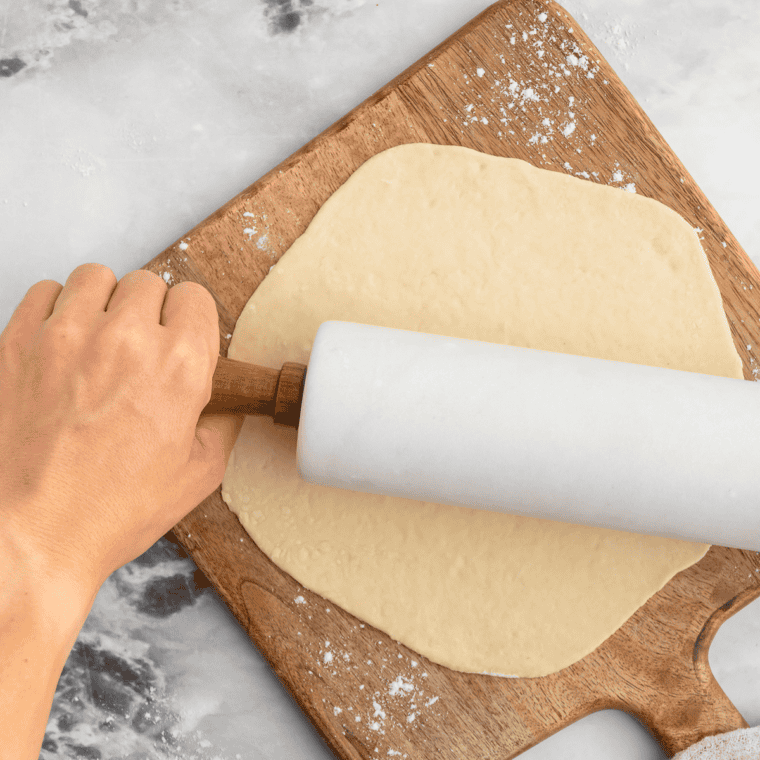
87, 290
224, 428
190, 308
35, 307
140, 292
215, 436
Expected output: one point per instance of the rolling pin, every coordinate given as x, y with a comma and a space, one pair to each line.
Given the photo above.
518, 430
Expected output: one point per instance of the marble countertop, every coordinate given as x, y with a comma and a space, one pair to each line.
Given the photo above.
126, 122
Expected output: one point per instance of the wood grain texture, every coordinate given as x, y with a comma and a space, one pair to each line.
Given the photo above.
243, 388
515, 83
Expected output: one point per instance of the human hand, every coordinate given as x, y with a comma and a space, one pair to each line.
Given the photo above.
101, 446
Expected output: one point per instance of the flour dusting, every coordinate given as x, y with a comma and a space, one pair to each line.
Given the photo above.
397, 700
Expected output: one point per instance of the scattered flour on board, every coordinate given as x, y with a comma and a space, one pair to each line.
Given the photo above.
398, 696
262, 241
524, 90
526, 102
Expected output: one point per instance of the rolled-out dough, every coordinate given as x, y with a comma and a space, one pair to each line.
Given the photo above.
450, 241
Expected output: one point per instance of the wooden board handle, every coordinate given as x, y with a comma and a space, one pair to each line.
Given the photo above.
242, 388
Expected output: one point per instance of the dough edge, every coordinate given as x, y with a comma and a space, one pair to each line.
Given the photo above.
271, 340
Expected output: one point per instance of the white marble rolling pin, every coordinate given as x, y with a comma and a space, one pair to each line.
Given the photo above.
517, 430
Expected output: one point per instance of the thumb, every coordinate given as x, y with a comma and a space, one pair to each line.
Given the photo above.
215, 435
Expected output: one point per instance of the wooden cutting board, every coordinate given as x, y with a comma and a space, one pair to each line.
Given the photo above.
520, 80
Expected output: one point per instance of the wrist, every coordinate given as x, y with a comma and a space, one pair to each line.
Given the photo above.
54, 595
41, 614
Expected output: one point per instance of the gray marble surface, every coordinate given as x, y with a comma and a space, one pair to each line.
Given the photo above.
123, 123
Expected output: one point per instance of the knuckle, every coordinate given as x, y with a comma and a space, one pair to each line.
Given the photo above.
64, 330
184, 352
132, 336
43, 286
125, 337
94, 270
38, 295
40, 292
145, 276
196, 292
192, 362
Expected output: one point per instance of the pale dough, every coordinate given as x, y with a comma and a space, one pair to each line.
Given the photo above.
451, 241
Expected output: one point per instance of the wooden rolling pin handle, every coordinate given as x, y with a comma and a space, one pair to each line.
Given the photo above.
242, 388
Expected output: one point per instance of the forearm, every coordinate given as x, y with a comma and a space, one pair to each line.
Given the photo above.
103, 448
40, 618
